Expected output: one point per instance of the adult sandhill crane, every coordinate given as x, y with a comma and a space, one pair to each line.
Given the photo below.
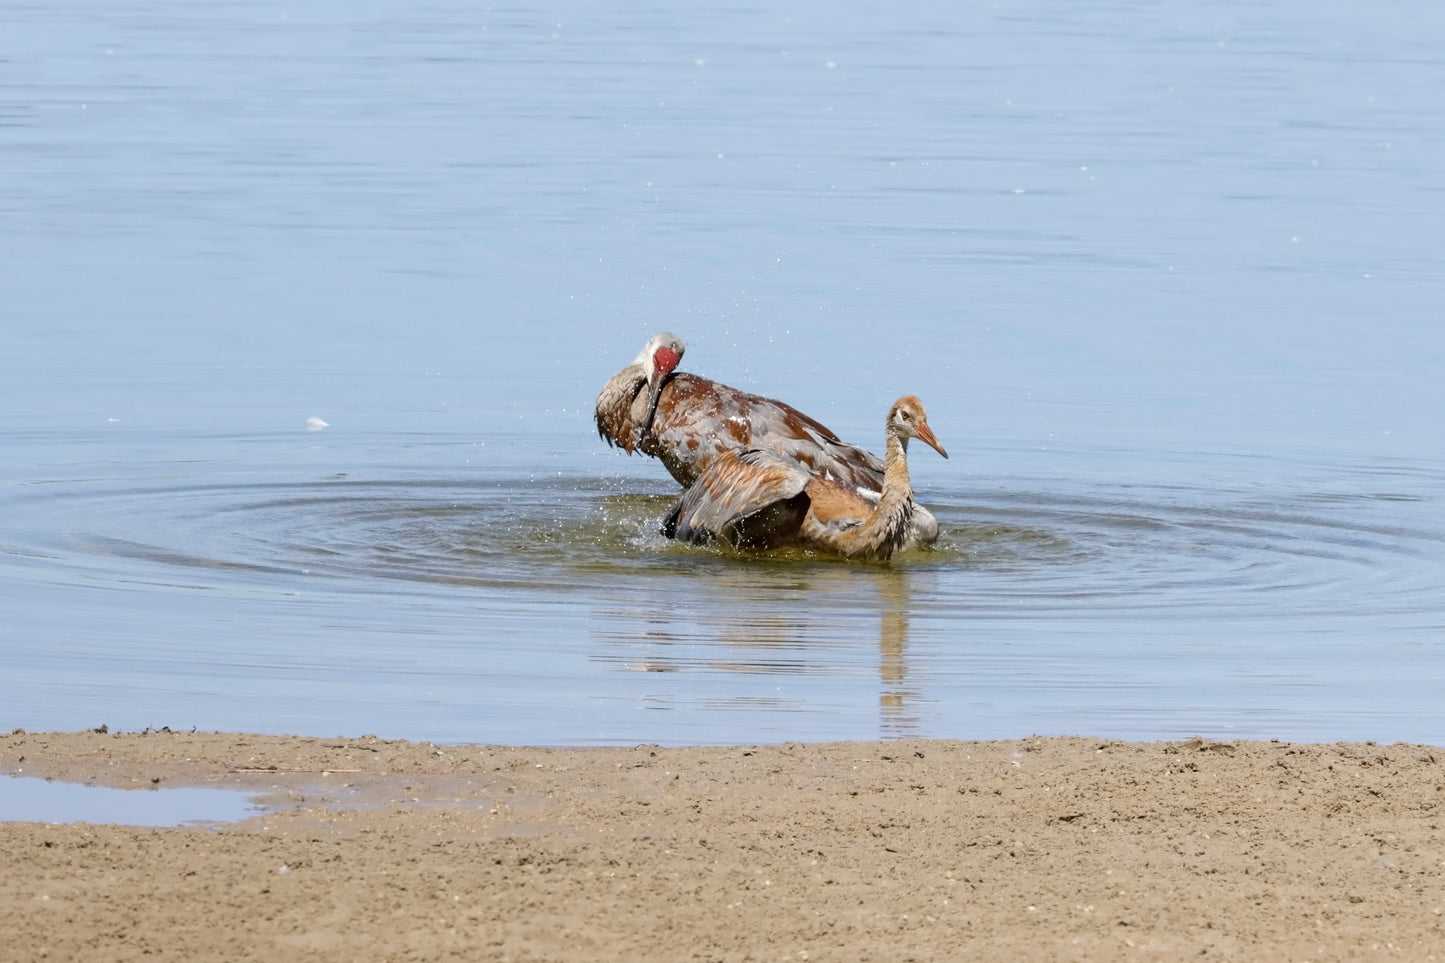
687, 421
759, 499
690, 422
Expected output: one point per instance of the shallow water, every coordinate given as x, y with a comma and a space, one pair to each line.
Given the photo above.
1168, 282
27, 799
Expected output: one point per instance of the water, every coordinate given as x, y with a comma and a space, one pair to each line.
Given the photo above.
1167, 280
27, 799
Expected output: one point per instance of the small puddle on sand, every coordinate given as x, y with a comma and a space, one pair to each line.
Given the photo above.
32, 799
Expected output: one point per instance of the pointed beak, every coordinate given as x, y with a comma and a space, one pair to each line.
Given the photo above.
925, 433
664, 361
654, 392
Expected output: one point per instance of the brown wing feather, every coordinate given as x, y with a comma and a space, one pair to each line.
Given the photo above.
835, 506
616, 424
698, 419
752, 498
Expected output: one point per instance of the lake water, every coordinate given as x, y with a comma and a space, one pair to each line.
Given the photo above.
1168, 278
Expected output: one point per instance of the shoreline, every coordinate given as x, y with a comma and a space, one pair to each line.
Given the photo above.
1036, 848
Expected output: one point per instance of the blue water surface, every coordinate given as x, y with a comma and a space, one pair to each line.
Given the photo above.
1167, 277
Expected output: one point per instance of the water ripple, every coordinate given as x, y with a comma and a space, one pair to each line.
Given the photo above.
1034, 552
550, 610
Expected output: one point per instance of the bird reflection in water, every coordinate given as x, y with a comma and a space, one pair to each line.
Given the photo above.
897, 717
770, 621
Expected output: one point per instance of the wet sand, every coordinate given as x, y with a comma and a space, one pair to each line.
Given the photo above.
1040, 848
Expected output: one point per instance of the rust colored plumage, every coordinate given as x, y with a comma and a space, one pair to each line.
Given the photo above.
687, 421
757, 499
751, 466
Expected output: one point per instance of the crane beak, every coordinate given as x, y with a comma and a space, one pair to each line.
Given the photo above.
925, 433
664, 362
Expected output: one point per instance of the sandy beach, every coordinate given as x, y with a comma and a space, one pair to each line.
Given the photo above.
1040, 848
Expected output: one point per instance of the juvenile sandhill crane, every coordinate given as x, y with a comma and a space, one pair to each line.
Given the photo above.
757, 499
690, 423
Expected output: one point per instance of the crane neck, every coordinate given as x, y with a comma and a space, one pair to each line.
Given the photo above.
887, 526
895, 469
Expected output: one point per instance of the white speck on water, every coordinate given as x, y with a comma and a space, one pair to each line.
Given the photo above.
315, 424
